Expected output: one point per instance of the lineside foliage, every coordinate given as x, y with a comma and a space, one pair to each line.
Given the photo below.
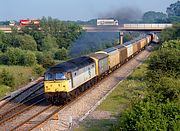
160, 109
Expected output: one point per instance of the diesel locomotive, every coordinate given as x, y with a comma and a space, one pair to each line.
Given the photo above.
67, 80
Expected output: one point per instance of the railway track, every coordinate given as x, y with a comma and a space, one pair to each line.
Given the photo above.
12, 112
21, 113
22, 97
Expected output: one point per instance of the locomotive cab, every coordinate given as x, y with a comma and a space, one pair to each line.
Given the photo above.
57, 82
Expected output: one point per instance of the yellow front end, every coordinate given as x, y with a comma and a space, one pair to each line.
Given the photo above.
56, 86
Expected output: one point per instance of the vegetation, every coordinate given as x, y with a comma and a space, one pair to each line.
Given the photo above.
173, 12
153, 17
35, 49
171, 33
160, 109
14, 77
172, 16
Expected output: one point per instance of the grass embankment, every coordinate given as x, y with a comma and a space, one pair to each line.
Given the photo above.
21, 76
121, 98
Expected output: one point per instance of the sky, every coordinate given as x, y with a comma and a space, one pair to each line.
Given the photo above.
75, 9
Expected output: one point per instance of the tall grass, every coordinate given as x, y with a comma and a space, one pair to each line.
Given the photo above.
22, 75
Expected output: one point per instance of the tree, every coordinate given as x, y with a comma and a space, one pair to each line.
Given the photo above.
61, 54
15, 56
170, 33
48, 43
26, 42
174, 9
29, 58
173, 12
154, 17
64, 32
45, 59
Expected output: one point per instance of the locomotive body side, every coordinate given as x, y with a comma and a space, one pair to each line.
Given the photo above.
83, 75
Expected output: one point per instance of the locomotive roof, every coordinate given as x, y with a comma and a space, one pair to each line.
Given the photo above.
72, 65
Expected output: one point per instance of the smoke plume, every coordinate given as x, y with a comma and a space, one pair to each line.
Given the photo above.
124, 14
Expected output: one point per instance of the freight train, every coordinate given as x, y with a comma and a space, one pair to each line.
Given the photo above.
67, 80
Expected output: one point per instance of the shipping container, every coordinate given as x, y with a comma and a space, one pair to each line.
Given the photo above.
101, 61
122, 53
143, 42
129, 47
148, 39
113, 56
135, 47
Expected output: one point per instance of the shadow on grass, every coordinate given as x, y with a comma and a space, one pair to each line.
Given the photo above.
97, 125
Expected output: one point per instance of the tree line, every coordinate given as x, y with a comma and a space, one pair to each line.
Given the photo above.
172, 16
34, 46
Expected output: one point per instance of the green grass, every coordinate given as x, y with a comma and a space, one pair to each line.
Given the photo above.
21, 75
127, 91
4, 90
96, 125
130, 88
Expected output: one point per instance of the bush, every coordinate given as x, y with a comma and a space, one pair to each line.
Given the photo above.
16, 56
150, 115
61, 54
38, 69
45, 59
4, 59
172, 44
29, 58
170, 33
26, 42
166, 62
165, 89
6, 78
